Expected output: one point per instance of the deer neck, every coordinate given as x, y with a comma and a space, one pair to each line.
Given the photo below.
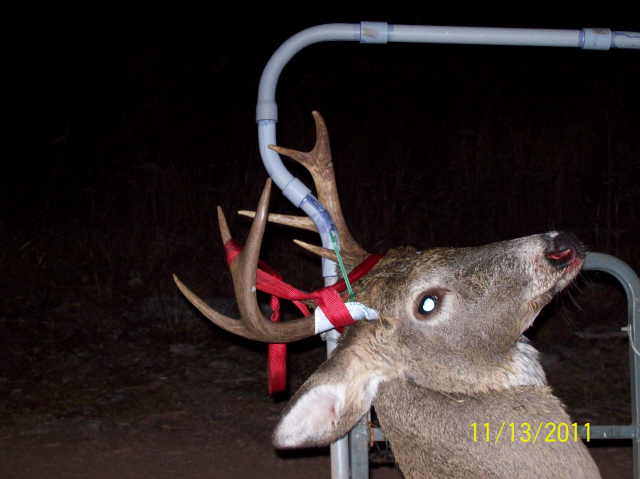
378, 347
519, 366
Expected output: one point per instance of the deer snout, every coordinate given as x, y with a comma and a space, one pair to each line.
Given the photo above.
563, 249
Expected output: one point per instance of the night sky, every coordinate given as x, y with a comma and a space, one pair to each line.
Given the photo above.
133, 132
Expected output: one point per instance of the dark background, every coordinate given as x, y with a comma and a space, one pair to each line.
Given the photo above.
129, 148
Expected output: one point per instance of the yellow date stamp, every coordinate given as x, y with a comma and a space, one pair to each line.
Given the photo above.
525, 432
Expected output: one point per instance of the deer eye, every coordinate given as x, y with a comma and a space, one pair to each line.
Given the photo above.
428, 304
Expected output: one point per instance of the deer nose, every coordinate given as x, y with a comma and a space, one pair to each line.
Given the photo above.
563, 248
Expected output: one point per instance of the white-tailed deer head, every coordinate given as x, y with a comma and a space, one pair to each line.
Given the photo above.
447, 351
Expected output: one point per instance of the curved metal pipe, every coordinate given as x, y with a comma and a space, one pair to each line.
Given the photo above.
380, 32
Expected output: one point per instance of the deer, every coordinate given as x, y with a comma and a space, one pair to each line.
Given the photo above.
458, 389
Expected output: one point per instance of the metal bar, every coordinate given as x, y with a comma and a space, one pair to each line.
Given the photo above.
359, 449
626, 431
631, 285
377, 435
340, 448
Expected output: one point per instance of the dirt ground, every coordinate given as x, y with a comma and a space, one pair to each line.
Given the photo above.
159, 394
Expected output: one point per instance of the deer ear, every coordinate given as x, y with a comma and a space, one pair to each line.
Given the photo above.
325, 409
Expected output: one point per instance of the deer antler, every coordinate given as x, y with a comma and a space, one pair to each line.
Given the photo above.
253, 324
318, 162
300, 222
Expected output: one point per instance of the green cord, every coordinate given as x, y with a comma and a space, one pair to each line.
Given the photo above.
343, 270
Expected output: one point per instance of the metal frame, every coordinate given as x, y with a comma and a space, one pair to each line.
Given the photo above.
349, 455
631, 285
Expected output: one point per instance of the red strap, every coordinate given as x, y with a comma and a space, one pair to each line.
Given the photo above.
328, 298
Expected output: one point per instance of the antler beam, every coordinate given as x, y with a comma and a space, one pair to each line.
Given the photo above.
253, 325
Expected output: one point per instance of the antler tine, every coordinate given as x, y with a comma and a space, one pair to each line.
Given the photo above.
300, 222
225, 235
319, 250
229, 324
251, 251
318, 162
326, 253
232, 325
253, 324
244, 269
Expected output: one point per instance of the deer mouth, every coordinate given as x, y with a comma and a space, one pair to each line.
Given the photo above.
563, 249
563, 257
565, 253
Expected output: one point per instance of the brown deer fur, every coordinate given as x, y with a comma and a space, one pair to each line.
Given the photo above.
447, 351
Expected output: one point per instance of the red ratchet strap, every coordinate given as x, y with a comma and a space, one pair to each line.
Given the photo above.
328, 298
